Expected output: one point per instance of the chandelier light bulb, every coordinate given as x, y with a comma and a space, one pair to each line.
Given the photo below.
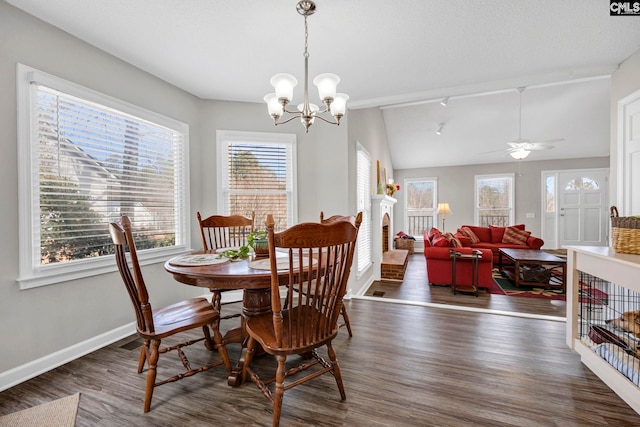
339, 105
273, 105
327, 84
284, 84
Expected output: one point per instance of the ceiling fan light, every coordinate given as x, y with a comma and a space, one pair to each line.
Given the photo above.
520, 154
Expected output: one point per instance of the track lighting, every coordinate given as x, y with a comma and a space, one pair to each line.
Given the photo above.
439, 131
444, 102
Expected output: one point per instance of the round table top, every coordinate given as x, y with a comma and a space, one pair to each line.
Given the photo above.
250, 273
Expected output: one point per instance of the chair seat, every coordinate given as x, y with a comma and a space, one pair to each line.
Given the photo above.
262, 329
181, 316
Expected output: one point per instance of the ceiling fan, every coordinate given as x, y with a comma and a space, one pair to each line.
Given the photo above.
521, 148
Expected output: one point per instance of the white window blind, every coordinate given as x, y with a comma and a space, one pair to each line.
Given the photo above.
364, 205
257, 175
91, 163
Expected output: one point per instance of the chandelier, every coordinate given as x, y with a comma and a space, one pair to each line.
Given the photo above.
334, 103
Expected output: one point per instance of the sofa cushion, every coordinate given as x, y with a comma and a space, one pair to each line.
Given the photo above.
515, 236
464, 240
468, 233
496, 233
483, 233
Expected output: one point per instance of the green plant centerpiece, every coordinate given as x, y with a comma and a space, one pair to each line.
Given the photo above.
258, 240
236, 254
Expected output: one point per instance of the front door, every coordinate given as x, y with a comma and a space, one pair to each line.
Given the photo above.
583, 211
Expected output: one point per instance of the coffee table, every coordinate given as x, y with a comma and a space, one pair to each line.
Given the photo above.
533, 268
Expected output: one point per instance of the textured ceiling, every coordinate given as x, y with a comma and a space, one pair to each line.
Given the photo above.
386, 52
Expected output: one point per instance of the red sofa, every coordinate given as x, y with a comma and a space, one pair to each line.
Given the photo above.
493, 238
439, 265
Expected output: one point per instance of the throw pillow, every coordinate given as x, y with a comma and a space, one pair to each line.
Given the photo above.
440, 241
433, 233
515, 236
454, 242
467, 232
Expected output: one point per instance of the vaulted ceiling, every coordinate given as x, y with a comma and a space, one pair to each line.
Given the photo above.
402, 56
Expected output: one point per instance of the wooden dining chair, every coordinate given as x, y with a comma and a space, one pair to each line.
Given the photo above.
220, 231
155, 325
319, 258
352, 220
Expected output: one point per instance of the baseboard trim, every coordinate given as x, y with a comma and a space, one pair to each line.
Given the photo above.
51, 361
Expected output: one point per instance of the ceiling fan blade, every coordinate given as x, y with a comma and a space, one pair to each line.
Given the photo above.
492, 151
536, 146
548, 141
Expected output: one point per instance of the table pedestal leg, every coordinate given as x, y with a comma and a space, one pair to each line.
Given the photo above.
254, 303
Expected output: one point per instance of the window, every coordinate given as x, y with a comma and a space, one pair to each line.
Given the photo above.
420, 204
257, 173
494, 200
85, 159
363, 184
582, 183
550, 192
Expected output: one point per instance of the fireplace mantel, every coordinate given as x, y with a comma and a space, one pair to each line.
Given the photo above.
380, 205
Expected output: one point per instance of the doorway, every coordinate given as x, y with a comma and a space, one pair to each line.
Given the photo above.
576, 207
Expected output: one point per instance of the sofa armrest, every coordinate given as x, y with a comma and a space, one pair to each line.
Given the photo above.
425, 238
534, 242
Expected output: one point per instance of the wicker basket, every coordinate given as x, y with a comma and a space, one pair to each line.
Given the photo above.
625, 232
406, 244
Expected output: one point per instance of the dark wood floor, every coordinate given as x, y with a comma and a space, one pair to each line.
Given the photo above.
405, 366
415, 288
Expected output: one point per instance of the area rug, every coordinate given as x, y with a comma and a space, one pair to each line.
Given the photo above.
508, 287
59, 413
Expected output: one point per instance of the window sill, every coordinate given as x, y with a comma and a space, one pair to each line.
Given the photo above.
92, 267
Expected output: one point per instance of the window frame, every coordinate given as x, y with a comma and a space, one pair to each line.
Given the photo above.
225, 137
33, 274
409, 181
511, 199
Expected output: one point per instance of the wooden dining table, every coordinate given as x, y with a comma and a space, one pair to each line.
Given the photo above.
251, 275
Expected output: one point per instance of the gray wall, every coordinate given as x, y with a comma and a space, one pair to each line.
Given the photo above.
37, 323
624, 82
456, 186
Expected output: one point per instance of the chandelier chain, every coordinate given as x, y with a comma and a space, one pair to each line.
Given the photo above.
306, 38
